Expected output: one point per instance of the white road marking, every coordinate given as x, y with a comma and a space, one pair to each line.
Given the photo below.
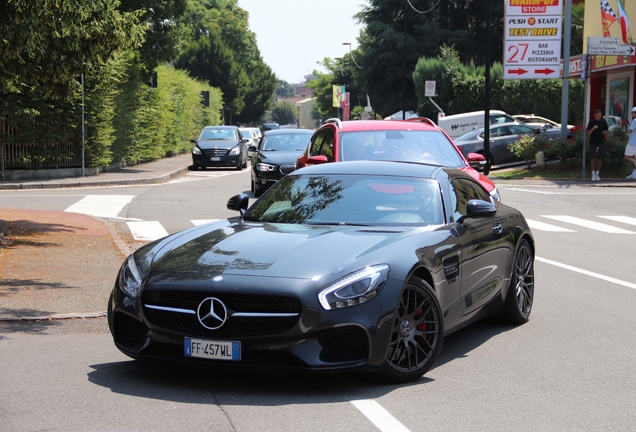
590, 224
588, 273
380, 417
203, 221
101, 205
623, 219
542, 226
147, 231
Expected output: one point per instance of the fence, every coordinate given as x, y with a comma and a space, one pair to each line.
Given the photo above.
36, 146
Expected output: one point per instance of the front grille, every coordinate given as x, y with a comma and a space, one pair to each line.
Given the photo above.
216, 152
346, 341
286, 169
234, 326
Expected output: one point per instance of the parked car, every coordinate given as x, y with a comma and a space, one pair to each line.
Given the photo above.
458, 124
220, 146
415, 139
538, 121
501, 135
275, 156
353, 266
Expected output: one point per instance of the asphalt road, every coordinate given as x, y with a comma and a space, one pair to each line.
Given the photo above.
570, 368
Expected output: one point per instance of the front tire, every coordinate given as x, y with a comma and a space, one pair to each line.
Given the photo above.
418, 332
518, 305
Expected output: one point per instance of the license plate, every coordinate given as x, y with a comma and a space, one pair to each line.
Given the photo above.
215, 159
210, 349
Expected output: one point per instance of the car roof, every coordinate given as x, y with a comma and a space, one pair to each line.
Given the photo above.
376, 125
386, 168
288, 132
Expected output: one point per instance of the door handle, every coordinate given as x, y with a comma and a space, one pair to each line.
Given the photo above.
497, 228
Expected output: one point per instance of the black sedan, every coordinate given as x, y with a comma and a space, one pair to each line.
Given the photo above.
220, 146
276, 155
361, 265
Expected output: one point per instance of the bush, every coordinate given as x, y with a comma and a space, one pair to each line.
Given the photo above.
526, 148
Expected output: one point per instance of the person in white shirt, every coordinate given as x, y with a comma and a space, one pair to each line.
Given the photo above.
630, 148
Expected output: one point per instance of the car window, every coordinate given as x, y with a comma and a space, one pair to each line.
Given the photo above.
462, 191
431, 147
501, 118
323, 144
351, 199
522, 130
285, 142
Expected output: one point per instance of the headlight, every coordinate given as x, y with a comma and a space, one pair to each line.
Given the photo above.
266, 167
196, 150
129, 277
495, 194
354, 289
235, 151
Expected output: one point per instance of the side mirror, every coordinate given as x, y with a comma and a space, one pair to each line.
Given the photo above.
245, 140
238, 203
476, 160
317, 160
252, 148
479, 208
193, 141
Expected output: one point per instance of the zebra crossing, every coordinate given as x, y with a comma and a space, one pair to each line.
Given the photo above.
111, 206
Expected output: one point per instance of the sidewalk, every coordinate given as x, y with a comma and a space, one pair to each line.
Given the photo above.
159, 171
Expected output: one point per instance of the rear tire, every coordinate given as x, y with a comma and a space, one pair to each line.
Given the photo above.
518, 305
418, 332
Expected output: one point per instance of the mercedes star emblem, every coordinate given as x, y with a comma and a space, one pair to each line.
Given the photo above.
212, 313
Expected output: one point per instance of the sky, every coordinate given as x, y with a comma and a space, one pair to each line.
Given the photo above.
293, 35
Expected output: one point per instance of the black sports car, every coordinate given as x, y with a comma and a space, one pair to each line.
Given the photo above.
220, 146
275, 156
361, 265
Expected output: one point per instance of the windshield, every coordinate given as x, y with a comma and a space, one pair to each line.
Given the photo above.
432, 147
218, 134
350, 200
285, 142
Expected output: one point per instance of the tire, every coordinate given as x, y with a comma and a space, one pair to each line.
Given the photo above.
258, 191
244, 163
252, 187
418, 332
518, 305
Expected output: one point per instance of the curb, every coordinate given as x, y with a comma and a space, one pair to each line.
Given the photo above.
161, 178
86, 315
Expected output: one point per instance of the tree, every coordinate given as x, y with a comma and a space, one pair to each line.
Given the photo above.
222, 51
46, 45
398, 33
162, 33
284, 89
284, 113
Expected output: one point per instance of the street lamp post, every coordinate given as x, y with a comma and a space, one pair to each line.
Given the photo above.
351, 59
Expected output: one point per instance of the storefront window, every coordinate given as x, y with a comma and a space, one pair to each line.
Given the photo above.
619, 100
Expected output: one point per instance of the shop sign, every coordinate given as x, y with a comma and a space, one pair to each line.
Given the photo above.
532, 39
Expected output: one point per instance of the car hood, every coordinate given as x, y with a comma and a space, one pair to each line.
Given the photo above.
279, 157
274, 250
221, 144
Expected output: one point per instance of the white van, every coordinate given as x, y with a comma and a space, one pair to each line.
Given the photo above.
458, 124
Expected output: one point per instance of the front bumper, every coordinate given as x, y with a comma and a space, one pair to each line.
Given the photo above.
354, 338
216, 161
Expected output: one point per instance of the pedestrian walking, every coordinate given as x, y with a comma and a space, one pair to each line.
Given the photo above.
597, 129
630, 148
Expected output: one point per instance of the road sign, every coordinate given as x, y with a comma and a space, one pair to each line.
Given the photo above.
430, 88
617, 50
604, 41
532, 34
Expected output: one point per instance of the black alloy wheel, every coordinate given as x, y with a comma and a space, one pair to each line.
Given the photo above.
521, 290
418, 331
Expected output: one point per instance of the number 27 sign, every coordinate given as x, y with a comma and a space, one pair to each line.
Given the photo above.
532, 47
